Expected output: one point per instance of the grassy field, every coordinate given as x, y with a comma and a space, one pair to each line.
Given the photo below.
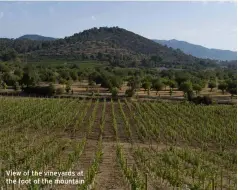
121, 144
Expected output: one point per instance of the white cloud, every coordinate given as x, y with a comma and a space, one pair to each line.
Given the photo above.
93, 17
1, 14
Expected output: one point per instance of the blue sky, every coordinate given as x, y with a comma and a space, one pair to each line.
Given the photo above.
211, 24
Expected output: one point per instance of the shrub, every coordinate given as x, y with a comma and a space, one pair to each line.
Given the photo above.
16, 86
67, 88
40, 90
202, 100
114, 92
130, 92
59, 91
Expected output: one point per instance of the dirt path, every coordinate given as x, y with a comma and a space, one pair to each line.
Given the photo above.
133, 126
121, 129
108, 133
110, 176
95, 132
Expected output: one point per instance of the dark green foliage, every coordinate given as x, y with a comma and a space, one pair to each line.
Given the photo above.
68, 87
30, 77
147, 85
190, 95
114, 92
157, 85
197, 88
222, 86
130, 92
172, 84
206, 100
40, 90
16, 86
181, 77
232, 87
8, 54
186, 87
212, 84
134, 83
59, 91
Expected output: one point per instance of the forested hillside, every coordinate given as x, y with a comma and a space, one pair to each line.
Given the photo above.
115, 45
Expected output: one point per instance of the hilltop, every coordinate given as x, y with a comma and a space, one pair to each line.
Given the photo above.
36, 37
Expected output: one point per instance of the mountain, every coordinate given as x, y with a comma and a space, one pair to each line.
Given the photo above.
36, 37
115, 45
199, 51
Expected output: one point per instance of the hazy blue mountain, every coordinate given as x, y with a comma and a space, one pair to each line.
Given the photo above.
199, 51
36, 37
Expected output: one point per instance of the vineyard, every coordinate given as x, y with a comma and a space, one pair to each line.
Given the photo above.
119, 144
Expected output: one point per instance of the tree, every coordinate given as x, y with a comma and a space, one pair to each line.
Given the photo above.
197, 88
232, 87
146, 85
134, 83
130, 92
181, 77
222, 86
116, 82
16, 86
62, 81
158, 86
74, 75
155, 59
10, 79
114, 92
171, 84
30, 77
186, 87
165, 82
211, 85
18, 72
8, 54
68, 86
170, 91
4, 85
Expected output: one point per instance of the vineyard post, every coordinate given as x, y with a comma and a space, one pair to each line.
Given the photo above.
213, 184
204, 179
126, 165
221, 179
146, 181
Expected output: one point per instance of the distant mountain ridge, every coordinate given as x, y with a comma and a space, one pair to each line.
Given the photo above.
199, 51
36, 37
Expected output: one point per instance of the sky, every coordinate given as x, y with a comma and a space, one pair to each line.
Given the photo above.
210, 24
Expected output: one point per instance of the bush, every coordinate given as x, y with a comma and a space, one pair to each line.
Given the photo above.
59, 91
67, 88
202, 100
114, 92
40, 90
190, 95
130, 92
16, 86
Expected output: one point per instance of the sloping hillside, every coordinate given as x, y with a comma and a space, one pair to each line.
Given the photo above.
199, 51
103, 44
